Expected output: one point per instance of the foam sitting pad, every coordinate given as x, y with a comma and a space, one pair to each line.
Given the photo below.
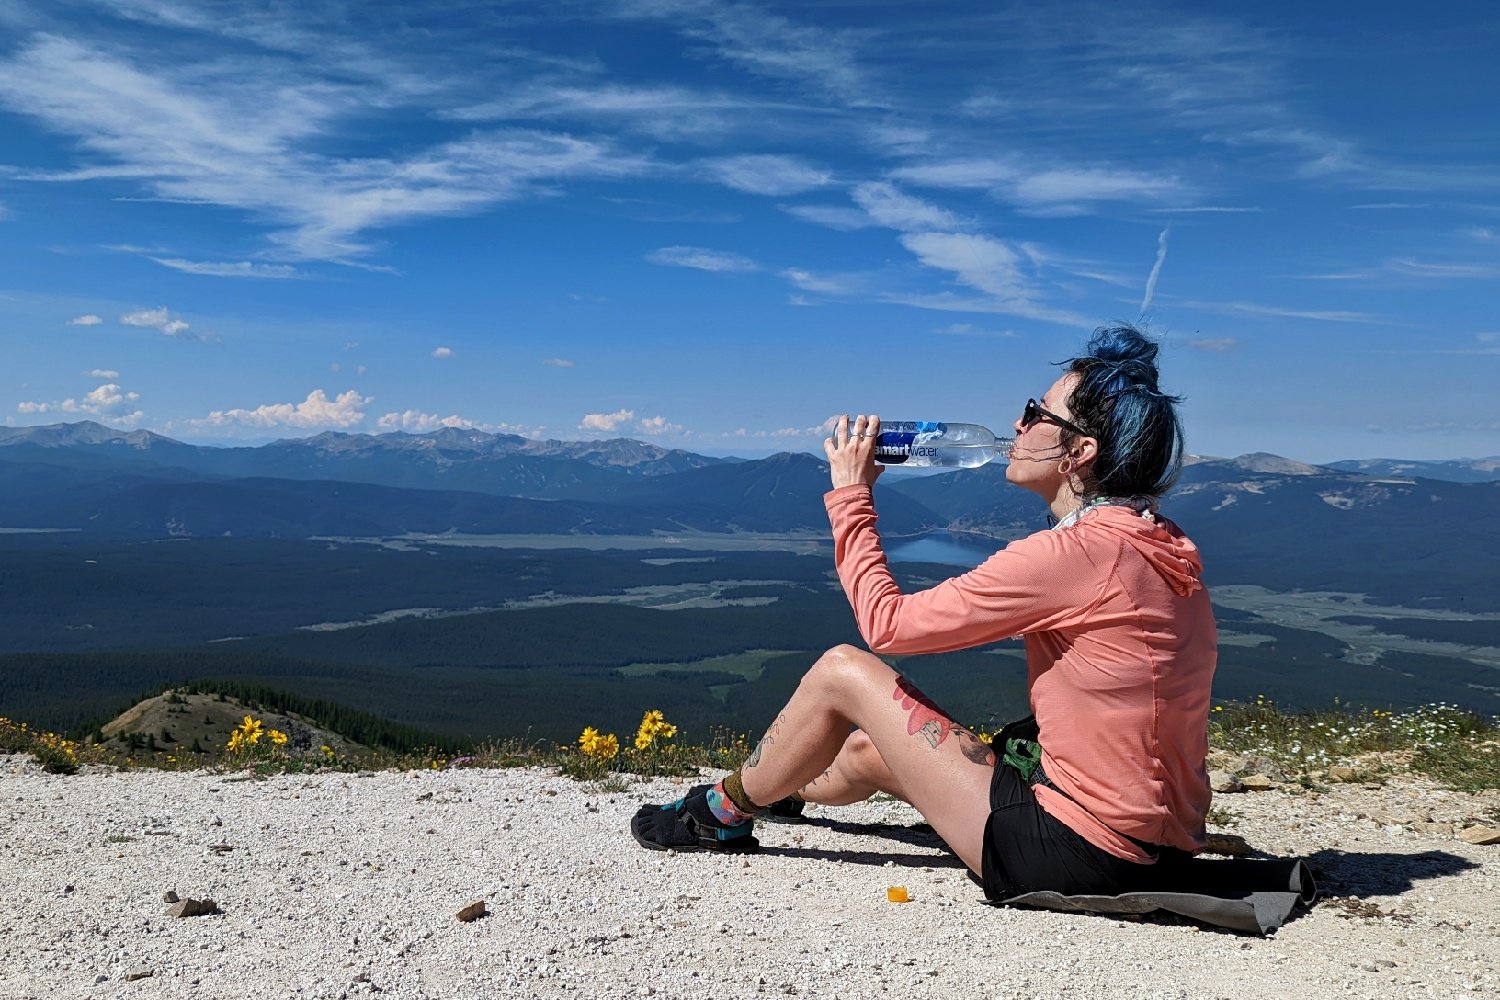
1252, 896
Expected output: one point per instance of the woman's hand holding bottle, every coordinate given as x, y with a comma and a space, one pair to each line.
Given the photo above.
851, 451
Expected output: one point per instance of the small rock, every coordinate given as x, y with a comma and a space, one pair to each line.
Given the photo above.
193, 908
1433, 829
141, 973
1480, 836
1257, 783
1223, 781
1228, 844
169, 897
101, 978
1341, 774
473, 911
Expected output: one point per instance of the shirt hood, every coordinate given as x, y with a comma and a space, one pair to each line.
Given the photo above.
1162, 543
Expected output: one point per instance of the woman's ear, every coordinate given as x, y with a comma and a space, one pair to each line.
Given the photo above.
1084, 451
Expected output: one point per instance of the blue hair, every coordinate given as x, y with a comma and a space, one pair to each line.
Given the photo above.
1117, 399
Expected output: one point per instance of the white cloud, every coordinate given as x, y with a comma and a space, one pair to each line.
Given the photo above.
87, 320
825, 284
224, 269
443, 352
360, 370
970, 330
767, 44
317, 410
659, 425
1279, 312
107, 401
1217, 345
1188, 209
892, 208
981, 262
832, 216
557, 362
104, 373
417, 422
702, 259
768, 174
335, 367
1055, 190
1413, 270
156, 319
606, 422
256, 141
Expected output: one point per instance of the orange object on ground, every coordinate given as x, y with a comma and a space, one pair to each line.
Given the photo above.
897, 894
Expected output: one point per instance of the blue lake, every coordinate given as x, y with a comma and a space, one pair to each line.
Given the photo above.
967, 551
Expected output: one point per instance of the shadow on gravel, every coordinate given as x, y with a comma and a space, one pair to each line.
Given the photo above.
863, 857
917, 835
1360, 874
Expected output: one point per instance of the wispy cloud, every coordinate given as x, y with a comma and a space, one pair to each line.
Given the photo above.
833, 216
315, 412
888, 206
702, 259
606, 422
970, 330
1057, 190
1406, 268
1216, 345
259, 143
767, 174
1280, 312
442, 353
86, 320
157, 319
983, 263
1207, 209
104, 373
767, 44
226, 269
557, 362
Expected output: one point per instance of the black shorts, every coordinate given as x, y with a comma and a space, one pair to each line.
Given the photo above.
1026, 849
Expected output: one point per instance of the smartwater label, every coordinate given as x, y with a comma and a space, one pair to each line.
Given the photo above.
903, 440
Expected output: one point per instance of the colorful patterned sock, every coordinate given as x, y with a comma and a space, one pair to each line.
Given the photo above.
729, 803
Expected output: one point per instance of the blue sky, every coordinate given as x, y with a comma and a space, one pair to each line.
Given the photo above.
711, 225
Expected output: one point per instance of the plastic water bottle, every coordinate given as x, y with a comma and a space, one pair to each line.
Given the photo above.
926, 443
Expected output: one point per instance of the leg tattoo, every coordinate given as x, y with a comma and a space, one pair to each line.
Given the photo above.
924, 717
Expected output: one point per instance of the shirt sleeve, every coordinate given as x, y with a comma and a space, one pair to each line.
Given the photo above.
1037, 583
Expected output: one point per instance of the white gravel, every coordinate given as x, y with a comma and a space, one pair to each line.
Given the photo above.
342, 885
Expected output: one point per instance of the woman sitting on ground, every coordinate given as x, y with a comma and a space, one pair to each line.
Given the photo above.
1120, 649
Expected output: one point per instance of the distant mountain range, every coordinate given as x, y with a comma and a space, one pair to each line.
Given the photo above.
1409, 530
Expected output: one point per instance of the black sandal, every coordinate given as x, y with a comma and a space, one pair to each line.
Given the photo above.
688, 825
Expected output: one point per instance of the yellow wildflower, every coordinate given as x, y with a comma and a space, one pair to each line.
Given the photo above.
236, 742
603, 746
278, 737
653, 724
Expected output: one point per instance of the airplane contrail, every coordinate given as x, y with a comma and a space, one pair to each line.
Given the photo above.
1161, 258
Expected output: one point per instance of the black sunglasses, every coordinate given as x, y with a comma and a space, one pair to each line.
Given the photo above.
1034, 412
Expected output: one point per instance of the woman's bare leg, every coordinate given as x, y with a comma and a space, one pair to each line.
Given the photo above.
857, 773
923, 756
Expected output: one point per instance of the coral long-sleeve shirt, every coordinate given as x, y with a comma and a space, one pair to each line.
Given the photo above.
1120, 651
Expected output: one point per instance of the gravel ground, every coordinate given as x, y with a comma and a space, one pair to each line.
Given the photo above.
341, 885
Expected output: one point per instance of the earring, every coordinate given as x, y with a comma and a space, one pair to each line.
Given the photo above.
1064, 467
